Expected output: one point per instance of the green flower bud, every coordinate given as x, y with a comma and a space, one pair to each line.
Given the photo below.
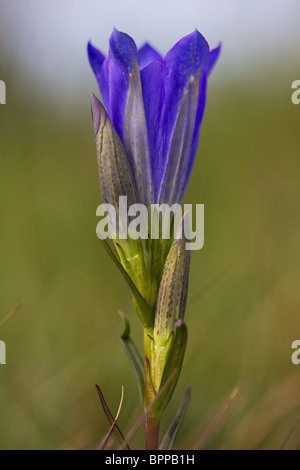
171, 302
117, 184
114, 171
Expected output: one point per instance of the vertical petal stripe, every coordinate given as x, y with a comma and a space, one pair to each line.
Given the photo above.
127, 110
164, 87
177, 165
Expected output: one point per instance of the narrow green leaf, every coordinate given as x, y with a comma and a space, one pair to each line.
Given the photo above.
144, 312
169, 438
134, 356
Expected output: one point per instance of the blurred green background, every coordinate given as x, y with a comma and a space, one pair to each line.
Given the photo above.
244, 298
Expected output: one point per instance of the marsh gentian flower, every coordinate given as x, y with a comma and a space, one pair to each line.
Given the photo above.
156, 106
146, 132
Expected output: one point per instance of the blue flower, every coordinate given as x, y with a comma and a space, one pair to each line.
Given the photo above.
156, 106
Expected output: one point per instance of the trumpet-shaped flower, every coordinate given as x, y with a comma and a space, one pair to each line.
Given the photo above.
146, 133
156, 106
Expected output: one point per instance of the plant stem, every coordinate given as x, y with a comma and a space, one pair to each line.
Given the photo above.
151, 433
151, 421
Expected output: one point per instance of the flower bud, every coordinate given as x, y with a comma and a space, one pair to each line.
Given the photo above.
171, 301
114, 171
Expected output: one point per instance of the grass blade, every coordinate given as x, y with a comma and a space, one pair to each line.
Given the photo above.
12, 312
113, 425
290, 436
112, 421
212, 425
169, 438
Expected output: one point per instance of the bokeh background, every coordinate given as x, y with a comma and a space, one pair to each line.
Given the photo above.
244, 298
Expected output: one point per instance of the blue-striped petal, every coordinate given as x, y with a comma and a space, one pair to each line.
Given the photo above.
157, 112
127, 110
170, 89
206, 70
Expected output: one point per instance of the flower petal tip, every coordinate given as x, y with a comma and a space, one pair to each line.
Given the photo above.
147, 54
123, 48
96, 58
96, 108
212, 59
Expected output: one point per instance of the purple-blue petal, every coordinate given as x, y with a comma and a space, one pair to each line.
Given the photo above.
154, 95
156, 105
147, 54
164, 83
177, 165
96, 58
99, 64
127, 109
212, 59
121, 58
187, 56
206, 70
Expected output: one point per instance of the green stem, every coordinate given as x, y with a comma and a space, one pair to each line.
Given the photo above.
152, 422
